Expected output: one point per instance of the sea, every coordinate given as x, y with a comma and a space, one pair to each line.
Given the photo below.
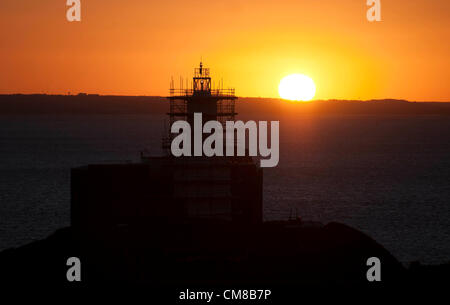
388, 176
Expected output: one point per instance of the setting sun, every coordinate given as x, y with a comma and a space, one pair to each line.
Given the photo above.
297, 87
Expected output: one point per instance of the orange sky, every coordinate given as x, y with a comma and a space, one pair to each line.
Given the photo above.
133, 47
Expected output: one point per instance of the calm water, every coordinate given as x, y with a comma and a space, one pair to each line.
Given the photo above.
387, 176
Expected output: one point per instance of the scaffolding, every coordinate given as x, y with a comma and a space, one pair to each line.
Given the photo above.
200, 96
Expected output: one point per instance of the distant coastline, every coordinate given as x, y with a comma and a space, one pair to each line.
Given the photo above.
21, 104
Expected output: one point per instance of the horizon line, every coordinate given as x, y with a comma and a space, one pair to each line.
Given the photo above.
243, 97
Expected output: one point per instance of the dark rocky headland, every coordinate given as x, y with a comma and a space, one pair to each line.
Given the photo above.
273, 253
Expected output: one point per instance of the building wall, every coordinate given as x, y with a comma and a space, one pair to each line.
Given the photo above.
165, 190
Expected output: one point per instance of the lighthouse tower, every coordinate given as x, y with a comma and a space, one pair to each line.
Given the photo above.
200, 96
165, 191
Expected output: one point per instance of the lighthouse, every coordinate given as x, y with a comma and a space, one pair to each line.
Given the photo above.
163, 191
199, 96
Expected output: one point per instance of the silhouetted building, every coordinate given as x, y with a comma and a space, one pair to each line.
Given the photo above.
171, 190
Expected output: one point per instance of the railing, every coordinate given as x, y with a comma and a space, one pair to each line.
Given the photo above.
230, 92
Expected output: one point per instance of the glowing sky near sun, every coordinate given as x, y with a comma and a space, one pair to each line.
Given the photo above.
134, 47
